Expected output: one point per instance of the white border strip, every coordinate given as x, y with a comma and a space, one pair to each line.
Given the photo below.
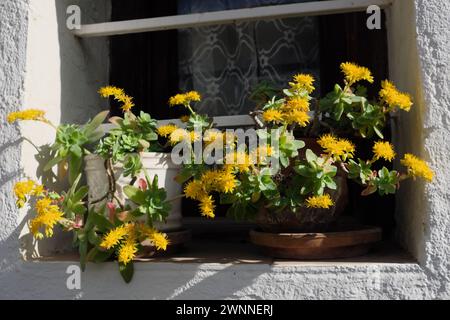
226, 17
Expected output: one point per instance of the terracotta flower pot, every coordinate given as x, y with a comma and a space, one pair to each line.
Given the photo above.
307, 220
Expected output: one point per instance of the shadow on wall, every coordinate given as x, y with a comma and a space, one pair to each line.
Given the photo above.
84, 62
196, 283
84, 66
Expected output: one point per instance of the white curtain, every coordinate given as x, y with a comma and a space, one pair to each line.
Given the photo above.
226, 62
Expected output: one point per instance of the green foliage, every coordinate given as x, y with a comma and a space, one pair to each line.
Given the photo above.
126, 271
71, 144
199, 122
263, 92
361, 171
73, 203
132, 134
288, 148
383, 181
387, 181
151, 202
341, 108
132, 165
316, 174
274, 103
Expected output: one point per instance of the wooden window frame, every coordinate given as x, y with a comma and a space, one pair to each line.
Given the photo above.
315, 8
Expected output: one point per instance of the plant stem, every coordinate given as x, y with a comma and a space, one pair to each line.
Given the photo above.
32, 143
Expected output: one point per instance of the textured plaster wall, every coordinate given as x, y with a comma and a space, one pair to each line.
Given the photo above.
420, 58
63, 74
13, 45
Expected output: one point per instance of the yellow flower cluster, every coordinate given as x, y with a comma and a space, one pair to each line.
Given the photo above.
48, 215
261, 154
417, 167
383, 150
167, 130
119, 95
354, 73
127, 237
223, 181
27, 188
272, 115
113, 237
178, 135
238, 160
212, 136
303, 82
338, 149
295, 111
127, 250
319, 202
394, 98
30, 114
184, 98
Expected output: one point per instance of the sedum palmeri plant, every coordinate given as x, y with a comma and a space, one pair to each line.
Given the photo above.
102, 232
299, 179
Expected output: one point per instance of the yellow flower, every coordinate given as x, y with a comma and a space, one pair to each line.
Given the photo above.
209, 180
260, 154
297, 117
26, 188
127, 251
394, 98
239, 160
297, 103
179, 135
383, 150
194, 136
303, 81
119, 95
319, 202
227, 182
113, 237
339, 149
272, 115
354, 73
184, 98
30, 114
165, 131
160, 240
213, 135
207, 206
417, 167
194, 190
193, 96
326, 140
176, 100
48, 215
44, 205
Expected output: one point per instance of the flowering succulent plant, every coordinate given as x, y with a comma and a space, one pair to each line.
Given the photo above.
113, 230
277, 175
280, 173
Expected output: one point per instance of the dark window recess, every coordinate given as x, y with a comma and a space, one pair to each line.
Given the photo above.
153, 66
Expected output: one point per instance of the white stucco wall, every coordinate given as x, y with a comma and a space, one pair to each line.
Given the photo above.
419, 37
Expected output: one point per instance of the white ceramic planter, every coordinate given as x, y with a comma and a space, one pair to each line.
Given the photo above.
156, 164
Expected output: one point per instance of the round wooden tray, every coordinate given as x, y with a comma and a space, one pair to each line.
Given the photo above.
309, 246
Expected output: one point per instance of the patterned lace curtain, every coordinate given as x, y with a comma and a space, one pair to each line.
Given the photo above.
226, 62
